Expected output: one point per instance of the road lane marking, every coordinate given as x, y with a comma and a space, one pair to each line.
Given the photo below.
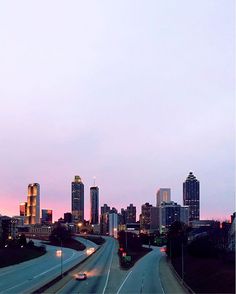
13, 287
124, 282
19, 266
109, 269
58, 265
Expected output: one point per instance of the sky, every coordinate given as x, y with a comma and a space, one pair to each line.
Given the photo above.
134, 93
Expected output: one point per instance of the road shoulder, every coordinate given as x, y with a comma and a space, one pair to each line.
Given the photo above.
169, 281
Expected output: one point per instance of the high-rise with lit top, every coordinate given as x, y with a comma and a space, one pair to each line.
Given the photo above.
163, 195
94, 204
191, 196
77, 199
33, 204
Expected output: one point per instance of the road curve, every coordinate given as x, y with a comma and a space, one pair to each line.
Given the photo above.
30, 275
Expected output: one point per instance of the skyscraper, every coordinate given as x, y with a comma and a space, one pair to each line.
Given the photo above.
33, 204
145, 217
191, 196
77, 200
94, 204
131, 214
23, 209
105, 208
170, 212
163, 195
113, 224
46, 216
104, 219
67, 217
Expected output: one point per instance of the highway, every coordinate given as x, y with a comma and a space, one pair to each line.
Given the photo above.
148, 275
105, 275
31, 275
97, 268
144, 277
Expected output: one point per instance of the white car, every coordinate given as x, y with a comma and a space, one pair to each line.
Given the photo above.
80, 276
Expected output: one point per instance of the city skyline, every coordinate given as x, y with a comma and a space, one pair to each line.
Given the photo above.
136, 94
87, 202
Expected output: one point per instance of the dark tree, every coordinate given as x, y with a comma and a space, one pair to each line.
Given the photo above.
129, 241
176, 236
202, 247
22, 240
60, 234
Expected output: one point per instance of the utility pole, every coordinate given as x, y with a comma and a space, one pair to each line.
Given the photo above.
61, 259
182, 261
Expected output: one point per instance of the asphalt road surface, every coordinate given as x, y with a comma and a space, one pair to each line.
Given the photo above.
144, 277
97, 268
31, 275
151, 274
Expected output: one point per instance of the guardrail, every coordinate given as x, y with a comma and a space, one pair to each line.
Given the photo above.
180, 280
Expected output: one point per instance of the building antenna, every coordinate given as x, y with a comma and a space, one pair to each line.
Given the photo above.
94, 181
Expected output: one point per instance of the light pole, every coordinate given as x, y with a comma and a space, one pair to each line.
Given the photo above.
182, 261
59, 254
79, 226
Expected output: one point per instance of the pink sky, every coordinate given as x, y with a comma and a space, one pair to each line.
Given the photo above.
137, 94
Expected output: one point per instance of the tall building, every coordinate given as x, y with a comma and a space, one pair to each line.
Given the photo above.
67, 217
46, 216
104, 219
23, 209
33, 204
130, 214
77, 200
145, 217
113, 224
163, 195
170, 212
105, 208
122, 216
113, 210
104, 223
94, 204
191, 196
154, 218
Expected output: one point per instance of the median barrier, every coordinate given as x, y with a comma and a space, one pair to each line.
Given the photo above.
59, 278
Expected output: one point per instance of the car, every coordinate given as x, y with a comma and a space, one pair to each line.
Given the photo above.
163, 249
90, 250
80, 276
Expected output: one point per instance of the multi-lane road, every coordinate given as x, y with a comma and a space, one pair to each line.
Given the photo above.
150, 274
30, 275
105, 276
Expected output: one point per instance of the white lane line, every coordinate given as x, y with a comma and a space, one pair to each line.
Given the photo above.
6, 290
52, 268
109, 269
159, 276
25, 282
124, 282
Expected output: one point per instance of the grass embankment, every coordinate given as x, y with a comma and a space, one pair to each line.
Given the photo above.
71, 243
208, 275
11, 256
95, 239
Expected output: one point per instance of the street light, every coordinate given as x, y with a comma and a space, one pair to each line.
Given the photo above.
182, 262
59, 254
115, 232
79, 226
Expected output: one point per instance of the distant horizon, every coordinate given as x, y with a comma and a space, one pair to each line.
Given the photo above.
137, 94
56, 216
